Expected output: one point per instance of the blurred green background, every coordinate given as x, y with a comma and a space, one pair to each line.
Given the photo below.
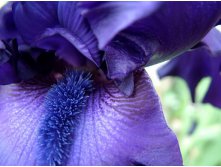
197, 126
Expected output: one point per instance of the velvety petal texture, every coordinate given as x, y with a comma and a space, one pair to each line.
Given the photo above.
107, 19
111, 130
151, 28
58, 23
125, 36
145, 33
204, 60
187, 27
32, 18
123, 57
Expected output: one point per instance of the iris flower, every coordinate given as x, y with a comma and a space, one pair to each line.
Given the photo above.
74, 89
204, 60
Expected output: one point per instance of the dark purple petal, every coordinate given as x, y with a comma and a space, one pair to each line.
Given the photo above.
70, 17
112, 130
39, 21
20, 63
213, 94
192, 66
108, 19
7, 25
123, 57
8, 73
146, 35
204, 60
163, 26
32, 18
175, 27
12, 67
126, 85
64, 49
183, 26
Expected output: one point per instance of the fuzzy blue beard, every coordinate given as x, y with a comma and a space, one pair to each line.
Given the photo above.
63, 104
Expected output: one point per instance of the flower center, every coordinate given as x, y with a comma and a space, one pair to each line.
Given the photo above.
63, 104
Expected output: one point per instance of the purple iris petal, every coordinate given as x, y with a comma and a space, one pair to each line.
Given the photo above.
111, 130
213, 40
143, 21
20, 62
20, 112
69, 16
192, 66
204, 60
37, 21
109, 18
213, 94
188, 26
120, 68
126, 86
64, 50
134, 34
12, 65
8, 73
117, 130
130, 33
7, 25
32, 18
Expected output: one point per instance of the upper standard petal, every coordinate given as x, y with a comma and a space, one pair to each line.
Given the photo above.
169, 28
37, 21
